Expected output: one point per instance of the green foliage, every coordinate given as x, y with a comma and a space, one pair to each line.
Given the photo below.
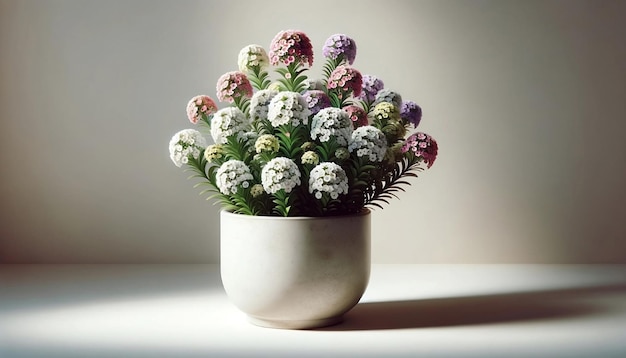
292, 78
391, 181
259, 79
283, 204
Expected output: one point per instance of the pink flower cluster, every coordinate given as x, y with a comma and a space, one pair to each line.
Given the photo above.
233, 85
358, 116
289, 47
200, 106
422, 145
346, 79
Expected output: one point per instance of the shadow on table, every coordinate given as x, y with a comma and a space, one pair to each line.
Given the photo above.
472, 310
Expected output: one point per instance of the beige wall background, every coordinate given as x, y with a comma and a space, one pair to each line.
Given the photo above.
527, 100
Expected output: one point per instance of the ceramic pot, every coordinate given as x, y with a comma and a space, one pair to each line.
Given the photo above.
295, 272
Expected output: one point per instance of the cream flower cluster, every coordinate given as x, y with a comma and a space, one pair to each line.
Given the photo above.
328, 177
280, 173
252, 56
266, 143
228, 121
370, 142
259, 104
288, 107
329, 122
232, 175
184, 144
214, 152
310, 157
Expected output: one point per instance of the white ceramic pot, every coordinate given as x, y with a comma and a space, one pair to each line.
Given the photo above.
295, 272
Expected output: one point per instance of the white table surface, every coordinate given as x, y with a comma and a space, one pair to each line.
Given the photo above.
408, 311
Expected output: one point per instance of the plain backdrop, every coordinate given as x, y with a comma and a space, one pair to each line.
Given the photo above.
527, 100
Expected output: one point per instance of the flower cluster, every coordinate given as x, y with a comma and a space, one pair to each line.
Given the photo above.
185, 144
388, 96
328, 178
423, 146
316, 100
200, 107
346, 79
214, 153
411, 113
330, 123
266, 143
357, 115
370, 87
310, 157
285, 144
280, 174
233, 175
259, 104
338, 46
233, 86
290, 47
227, 122
252, 56
288, 108
369, 142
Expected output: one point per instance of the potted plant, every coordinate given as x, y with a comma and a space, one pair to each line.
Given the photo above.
296, 164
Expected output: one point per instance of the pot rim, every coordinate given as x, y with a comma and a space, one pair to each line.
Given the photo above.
363, 212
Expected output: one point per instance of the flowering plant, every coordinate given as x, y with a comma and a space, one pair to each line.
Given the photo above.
301, 147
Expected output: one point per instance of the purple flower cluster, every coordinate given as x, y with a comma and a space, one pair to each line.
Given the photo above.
423, 146
233, 85
316, 100
340, 45
346, 79
371, 86
289, 47
410, 112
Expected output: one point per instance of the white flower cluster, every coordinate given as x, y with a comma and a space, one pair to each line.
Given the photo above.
386, 95
329, 122
184, 144
368, 141
288, 107
280, 173
328, 177
252, 56
231, 175
226, 122
259, 104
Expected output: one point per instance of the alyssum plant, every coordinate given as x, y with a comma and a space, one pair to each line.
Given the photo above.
300, 147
